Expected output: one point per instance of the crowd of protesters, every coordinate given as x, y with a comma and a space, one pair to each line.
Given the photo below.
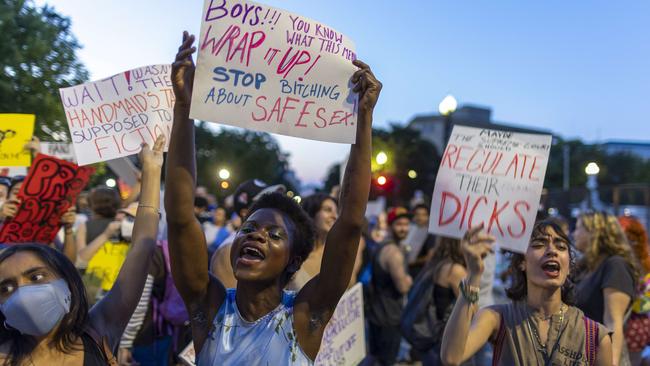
255, 281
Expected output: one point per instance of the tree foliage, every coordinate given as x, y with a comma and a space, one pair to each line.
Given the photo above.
246, 154
37, 57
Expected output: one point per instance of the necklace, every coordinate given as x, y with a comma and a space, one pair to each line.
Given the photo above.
542, 347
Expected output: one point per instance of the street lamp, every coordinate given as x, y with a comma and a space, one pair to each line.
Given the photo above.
412, 174
381, 158
110, 182
447, 107
224, 174
592, 171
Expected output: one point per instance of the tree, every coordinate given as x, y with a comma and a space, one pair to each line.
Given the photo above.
37, 57
246, 154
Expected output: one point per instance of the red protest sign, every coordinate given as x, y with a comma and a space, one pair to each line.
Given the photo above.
49, 190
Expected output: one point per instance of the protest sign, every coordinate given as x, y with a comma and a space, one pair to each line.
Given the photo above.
50, 188
60, 150
125, 170
266, 69
490, 177
344, 340
15, 131
112, 117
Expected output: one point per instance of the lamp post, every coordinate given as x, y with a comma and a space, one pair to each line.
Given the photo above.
592, 171
447, 107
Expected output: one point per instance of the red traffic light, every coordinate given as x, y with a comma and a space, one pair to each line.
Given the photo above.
381, 180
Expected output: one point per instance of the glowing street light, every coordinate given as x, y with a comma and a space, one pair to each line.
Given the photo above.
448, 105
224, 173
381, 158
412, 174
592, 169
110, 182
225, 185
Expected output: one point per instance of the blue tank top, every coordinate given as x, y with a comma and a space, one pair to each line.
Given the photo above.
270, 340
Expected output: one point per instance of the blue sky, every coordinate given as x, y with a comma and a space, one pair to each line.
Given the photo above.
578, 68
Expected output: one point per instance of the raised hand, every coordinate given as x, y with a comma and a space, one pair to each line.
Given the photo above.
153, 158
68, 218
183, 71
476, 244
367, 86
9, 209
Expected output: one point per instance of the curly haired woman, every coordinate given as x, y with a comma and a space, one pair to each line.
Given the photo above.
607, 277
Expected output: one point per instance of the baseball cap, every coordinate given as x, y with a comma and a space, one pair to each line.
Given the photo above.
251, 190
397, 213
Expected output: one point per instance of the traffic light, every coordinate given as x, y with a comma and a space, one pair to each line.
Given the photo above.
382, 180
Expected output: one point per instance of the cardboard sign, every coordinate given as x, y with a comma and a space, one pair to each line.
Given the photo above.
15, 131
60, 150
490, 177
266, 69
112, 117
125, 170
50, 188
344, 340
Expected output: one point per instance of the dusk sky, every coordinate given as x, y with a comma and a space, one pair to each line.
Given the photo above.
577, 68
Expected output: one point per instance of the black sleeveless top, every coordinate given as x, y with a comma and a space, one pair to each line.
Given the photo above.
95, 227
93, 355
385, 301
443, 298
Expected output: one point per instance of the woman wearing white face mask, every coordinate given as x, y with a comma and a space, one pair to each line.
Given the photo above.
45, 317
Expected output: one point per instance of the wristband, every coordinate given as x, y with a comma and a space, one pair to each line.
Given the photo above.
153, 208
470, 293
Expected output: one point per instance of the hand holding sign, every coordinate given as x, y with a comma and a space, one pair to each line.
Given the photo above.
476, 244
183, 71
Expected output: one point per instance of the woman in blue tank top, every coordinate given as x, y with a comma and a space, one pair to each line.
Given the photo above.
258, 323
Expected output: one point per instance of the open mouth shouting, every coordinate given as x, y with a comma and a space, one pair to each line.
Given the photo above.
250, 254
551, 268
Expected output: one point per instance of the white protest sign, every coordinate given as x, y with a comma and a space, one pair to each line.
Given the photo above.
61, 150
112, 117
344, 340
266, 69
490, 177
125, 170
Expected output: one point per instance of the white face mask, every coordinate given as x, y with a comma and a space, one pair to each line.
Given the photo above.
126, 229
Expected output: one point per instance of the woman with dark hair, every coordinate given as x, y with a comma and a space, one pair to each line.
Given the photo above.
539, 326
608, 274
259, 323
445, 270
101, 226
43, 300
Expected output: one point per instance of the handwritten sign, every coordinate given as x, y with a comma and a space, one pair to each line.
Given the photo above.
344, 342
15, 131
112, 117
50, 188
266, 69
61, 150
490, 177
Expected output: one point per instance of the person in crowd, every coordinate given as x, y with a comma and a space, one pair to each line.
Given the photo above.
101, 227
12, 203
539, 326
378, 228
201, 209
5, 183
607, 275
419, 242
245, 195
388, 287
258, 323
445, 270
217, 230
323, 210
43, 303
637, 327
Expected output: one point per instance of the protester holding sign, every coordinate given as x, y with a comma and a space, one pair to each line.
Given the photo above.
539, 326
43, 301
608, 275
270, 247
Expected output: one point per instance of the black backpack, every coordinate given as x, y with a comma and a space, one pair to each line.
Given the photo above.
419, 323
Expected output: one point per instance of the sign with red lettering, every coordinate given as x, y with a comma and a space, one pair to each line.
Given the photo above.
112, 117
266, 69
491, 177
49, 190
